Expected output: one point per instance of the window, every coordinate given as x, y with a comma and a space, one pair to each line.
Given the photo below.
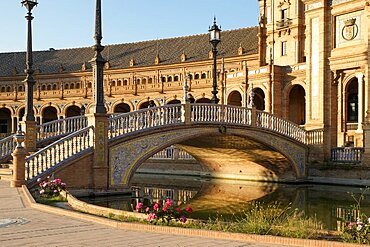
284, 14
284, 48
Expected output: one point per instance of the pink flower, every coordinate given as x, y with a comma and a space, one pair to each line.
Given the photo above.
151, 216
147, 209
183, 219
139, 206
55, 191
189, 209
156, 206
168, 203
350, 225
178, 210
164, 209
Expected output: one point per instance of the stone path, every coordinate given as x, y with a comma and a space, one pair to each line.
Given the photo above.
21, 225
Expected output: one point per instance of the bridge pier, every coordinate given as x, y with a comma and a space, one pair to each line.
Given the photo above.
100, 172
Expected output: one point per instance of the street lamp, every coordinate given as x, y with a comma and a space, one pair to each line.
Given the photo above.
214, 39
29, 81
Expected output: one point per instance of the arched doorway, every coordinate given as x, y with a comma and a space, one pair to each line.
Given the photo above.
235, 98
352, 102
259, 99
297, 105
5, 122
21, 113
49, 114
145, 104
122, 108
73, 111
203, 100
173, 102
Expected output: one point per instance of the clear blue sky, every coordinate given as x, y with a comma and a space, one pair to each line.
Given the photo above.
69, 23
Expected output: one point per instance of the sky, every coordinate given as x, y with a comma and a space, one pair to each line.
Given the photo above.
62, 24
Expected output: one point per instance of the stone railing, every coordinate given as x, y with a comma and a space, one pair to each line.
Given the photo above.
144, 119
172, 153
268, 121
347, 154
59, 151
7, 146
209, 114
60, 127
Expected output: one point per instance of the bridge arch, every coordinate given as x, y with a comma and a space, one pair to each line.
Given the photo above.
129, 152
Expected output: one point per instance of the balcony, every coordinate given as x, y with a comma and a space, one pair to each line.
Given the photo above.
284, 23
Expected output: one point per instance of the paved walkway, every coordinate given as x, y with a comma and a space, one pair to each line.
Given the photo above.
22, 225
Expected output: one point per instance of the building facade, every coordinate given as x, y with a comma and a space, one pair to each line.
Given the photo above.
307, 61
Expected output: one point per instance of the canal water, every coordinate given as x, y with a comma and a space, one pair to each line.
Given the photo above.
227, 199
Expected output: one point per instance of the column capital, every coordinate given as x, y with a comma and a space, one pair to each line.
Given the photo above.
360, 75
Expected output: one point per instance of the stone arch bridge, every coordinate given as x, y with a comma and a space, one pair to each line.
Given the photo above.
230, 141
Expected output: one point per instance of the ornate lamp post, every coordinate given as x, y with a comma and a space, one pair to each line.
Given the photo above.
29, 81
29, 118
98, 63
214, 39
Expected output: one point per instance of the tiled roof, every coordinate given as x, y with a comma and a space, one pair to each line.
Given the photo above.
196, 48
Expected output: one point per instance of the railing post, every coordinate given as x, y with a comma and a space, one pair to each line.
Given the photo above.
254, 116
186, 113
100, 171
19, 161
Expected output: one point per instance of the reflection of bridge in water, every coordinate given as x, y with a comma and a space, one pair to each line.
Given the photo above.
233, 142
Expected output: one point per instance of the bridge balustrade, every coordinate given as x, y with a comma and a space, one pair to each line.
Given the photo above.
59, 151
60, 127
213, 113
7, 146
144, 119
172, 153
268, 121
314, 137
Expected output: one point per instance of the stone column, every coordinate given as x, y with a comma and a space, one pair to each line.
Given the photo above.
360, 77
19, 161
186, 113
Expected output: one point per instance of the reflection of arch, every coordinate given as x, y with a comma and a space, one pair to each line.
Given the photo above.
235, 98
203, 100
352, 101
5, 120
49, 113
173, 102
297, 105
121, 108
259, 99
73, 111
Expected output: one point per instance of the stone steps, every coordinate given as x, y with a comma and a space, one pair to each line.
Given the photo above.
6, 173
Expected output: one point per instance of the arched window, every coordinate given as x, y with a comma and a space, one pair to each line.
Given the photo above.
121, 108
125, 82
8, 88
297, 105
20, 89
196, 77
138, 81
204, 76
150, 80
72, 86
235, 98
78, 85
113, 83
169, 79
119, 83
190, 77
144, 81
66, 86
163, 79
89, 85
48, 87
176, 78
352, 101
43, 87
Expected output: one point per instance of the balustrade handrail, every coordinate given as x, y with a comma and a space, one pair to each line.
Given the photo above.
7, 146
59, 151
144, 119
60, 127
347, 154
210, 113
